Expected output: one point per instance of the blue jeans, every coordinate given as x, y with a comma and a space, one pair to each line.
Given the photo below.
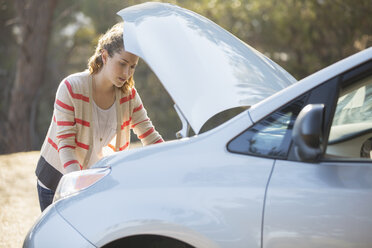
45, 197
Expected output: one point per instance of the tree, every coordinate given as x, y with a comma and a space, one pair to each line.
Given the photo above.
35, 19
302, 36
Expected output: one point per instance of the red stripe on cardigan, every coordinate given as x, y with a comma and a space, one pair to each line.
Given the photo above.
64, 105
65, 123
70, 123
127, 98
151, 130
64, 136
112, 147
159, 141
139, 123
72, 162
82, 145
75, 95
124, 146
53, 144
126, 123
82, 122
138, 108
67, 146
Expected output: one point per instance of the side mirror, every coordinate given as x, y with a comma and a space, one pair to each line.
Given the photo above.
307, 133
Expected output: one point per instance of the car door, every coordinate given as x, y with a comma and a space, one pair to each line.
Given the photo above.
327, 203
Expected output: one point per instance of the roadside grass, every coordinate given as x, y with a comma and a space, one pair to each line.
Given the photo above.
19, 205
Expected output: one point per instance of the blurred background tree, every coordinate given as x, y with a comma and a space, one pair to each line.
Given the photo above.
33, 20
301, 36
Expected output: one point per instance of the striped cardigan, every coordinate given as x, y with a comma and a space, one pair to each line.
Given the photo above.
68, 143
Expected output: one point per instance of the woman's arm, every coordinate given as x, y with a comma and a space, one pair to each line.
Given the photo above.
64, 113
141, 124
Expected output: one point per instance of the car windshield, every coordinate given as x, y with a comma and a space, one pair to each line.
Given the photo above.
355, 105
353, 110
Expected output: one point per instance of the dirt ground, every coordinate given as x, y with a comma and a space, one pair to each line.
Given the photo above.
19, 206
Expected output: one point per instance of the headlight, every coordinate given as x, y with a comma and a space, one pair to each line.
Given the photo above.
76, 181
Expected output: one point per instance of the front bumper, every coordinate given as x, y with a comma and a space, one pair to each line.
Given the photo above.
51, 230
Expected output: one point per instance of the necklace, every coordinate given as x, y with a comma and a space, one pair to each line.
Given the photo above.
100, 130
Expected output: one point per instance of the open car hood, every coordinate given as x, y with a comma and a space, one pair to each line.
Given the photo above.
204, 68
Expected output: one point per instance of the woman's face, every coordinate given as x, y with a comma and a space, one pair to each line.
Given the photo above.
120, 67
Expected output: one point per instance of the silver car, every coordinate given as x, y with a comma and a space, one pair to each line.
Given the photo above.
292, 170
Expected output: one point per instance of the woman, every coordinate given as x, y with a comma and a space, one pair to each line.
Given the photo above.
93, 112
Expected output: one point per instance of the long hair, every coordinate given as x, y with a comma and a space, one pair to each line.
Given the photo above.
112, 41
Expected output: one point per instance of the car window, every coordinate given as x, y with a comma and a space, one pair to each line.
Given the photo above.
270, 137
351, 130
